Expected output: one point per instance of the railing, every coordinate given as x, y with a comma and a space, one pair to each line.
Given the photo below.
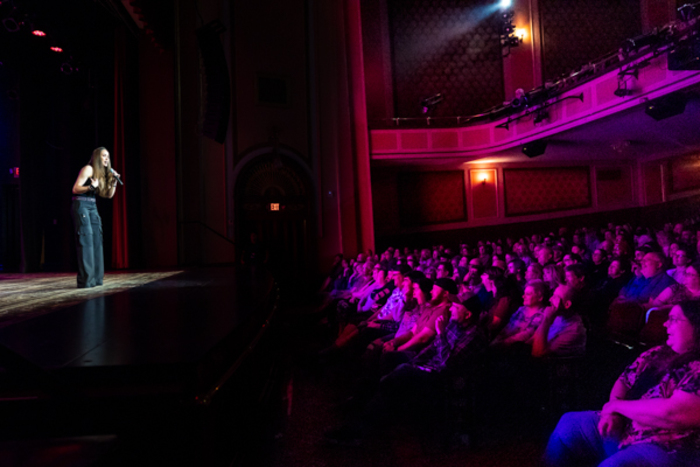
626, 58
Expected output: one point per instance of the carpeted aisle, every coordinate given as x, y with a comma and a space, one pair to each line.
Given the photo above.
24, 296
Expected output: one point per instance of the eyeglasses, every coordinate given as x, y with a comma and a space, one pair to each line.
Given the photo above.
671, 320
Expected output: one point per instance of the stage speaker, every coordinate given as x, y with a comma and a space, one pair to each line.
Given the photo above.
535, 148
686, 56
666, 106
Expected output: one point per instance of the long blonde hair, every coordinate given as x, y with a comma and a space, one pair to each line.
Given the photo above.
100, 172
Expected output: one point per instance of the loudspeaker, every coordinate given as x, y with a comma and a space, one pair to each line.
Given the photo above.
666, 106
535, 148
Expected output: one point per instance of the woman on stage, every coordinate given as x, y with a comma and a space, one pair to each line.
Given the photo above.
96, 178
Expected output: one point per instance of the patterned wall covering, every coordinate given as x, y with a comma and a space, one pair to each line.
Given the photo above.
431, 197
445, 46
614, 186
576, 32
530, 191
685, 173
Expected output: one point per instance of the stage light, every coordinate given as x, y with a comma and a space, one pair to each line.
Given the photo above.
505, 4
38, 33
10, 24
429, 103
66, 68
57, 49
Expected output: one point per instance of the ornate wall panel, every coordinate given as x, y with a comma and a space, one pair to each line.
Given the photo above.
576, 32
614, 186
685, 173
530, 191
445, 46
431, 197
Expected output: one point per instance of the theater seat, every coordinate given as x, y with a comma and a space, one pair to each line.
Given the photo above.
625, 321
654, 333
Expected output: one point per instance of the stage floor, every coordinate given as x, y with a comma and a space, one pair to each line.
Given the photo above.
176, 328
24, 296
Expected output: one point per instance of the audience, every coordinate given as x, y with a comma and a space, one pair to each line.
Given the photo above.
538, 296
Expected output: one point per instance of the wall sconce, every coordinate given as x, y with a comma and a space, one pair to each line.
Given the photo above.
483, 177
521, 33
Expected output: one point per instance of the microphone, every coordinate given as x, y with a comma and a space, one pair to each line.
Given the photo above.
116, 176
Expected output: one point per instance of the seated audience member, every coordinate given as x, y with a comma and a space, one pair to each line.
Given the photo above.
545, 256
677, 293
681, 259
639, 254
416, 386
444, 269
517, 269
360, 306
561, 331
553, 276
619, 275
421, 288
575, 277
598, 267
622, 249
485, 252
496, 300
526, 319
652, 281
653, 416
687, 237
557, 254
533, 272
385, 320
403, 348
571, 258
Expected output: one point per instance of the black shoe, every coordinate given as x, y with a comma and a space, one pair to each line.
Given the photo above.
343, 436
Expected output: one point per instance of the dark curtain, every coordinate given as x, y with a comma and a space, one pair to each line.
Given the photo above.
120, 244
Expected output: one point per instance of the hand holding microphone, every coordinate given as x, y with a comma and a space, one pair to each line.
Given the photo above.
117, 176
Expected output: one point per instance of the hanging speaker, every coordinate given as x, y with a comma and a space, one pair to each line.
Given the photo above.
666, 106
535, 148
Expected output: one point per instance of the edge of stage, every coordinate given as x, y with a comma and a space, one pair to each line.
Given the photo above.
176, 341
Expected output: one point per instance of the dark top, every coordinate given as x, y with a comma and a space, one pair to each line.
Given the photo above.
88, 194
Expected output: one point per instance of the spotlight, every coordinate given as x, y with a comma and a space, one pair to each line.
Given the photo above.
505, 4
429, 103
38, 33
687, 12
57, 49
622, 90
66, 68
10, 24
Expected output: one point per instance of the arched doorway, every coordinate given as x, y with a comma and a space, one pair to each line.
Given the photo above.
274, 200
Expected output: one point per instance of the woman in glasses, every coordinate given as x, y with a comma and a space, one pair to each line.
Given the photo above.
653, 416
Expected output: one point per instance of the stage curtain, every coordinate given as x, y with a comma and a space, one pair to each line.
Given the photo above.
120, 243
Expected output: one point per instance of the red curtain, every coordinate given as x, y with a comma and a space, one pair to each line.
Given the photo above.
120, 243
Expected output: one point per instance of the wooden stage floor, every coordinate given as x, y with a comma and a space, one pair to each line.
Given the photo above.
176, 328
24, 296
